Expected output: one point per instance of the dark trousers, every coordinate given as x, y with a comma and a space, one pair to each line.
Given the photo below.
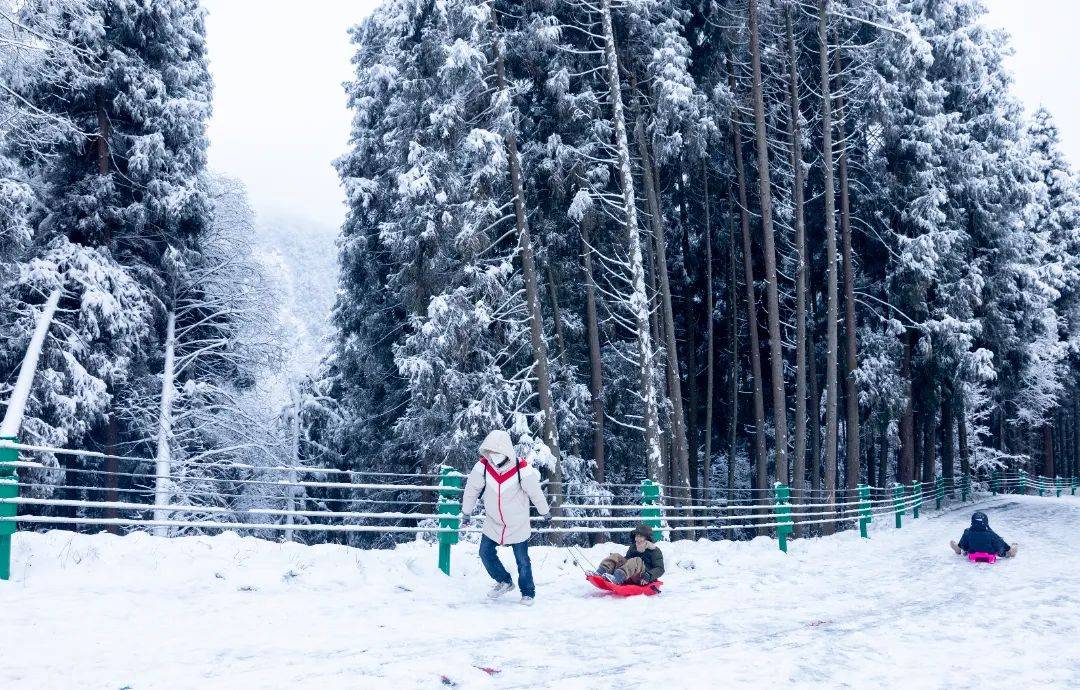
495, 568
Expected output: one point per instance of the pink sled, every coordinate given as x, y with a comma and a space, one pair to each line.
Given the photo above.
981, 557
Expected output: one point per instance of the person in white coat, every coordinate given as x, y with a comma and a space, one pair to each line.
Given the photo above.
508, 485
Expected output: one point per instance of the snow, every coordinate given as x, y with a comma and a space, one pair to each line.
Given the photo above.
898, 610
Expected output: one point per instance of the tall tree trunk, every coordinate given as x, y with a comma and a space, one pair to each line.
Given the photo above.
733, 406
871, 459
1048, 450
918, 434
830, 254
692, 393
760, 458
929, 447
815, 394
883, 456
709, 335
680, 477
1076, 434
639, 300
596, 379
961, 439
907, 420
851, 387
556, 314
532, 291
948, 461
798, 465
772, 303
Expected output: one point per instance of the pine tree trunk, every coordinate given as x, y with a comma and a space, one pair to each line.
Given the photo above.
556, 314
830, 253
772, 293
883, 454
596, 380
948, 461
1048, 450
532, 291
907, 420
918, 434
680, 476
815, 394
733, 405
639, 300
851, 387
871, 460
692, 393
961, 439
709, 335
760, 457
798, 465
929, 447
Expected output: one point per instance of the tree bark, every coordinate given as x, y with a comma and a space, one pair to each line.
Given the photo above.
830, 253
815, 396
948, 460
733, 405
596, 380
639, 299
532, 291
907, 420
851, 387
680, 477
798, 468
883, 457
929, 447
961, 439
1048, 450
761, 457
709, 335
772, 297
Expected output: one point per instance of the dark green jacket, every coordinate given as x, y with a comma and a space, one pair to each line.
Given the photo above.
653, 560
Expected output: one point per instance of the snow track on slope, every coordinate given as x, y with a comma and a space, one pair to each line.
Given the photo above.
899, 610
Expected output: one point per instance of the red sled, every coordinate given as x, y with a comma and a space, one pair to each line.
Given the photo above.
980, 557
625, 590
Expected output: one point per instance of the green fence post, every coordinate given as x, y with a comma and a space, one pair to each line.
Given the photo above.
783, 515
9, 488
1023, 482
916, 492
650, 507
1040, 483
939, 491
898, 503
450, 505
1074, 486
1057, 486
865, 517
995, 480
965, 488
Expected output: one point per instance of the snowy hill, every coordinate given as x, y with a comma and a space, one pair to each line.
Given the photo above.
899, 610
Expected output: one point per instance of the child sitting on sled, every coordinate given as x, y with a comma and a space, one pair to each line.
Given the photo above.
643, 563
979, 538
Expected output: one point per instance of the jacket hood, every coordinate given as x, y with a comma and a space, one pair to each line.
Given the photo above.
498, 441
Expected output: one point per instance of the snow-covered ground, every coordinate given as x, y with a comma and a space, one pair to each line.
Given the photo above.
899, 610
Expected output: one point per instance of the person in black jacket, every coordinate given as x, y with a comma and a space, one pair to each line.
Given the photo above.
643, 563
979, 538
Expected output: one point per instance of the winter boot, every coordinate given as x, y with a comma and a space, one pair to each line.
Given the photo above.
955, 548
1011, 553
619, 576
527, 601
500, 589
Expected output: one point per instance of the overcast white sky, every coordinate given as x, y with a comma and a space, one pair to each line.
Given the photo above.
279, 108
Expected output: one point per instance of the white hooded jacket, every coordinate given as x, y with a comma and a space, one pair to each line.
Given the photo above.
507, 484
